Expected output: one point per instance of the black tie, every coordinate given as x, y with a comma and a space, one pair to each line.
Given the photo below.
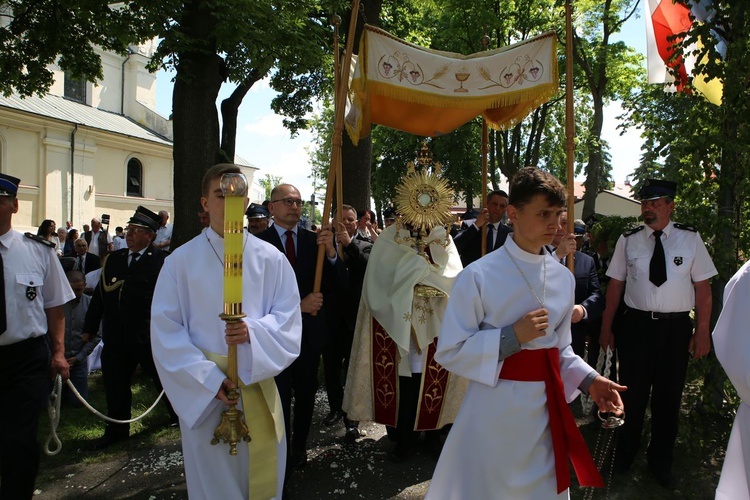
3, 319
134, 258
490, 229
657, 270
80, 263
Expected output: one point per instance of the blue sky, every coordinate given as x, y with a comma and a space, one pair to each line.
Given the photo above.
263, 141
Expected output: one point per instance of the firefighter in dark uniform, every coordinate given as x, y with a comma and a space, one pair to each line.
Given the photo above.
123, 299
33, 291
667, 269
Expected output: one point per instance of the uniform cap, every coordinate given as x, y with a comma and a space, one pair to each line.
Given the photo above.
655, 188
145, 218
579, 227
255, 211
9, 185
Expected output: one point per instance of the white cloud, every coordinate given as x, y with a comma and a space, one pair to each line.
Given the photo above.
269, 125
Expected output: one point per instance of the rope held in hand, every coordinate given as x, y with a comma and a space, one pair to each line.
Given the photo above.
53, 410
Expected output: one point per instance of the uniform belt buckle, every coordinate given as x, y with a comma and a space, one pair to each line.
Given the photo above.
654, 315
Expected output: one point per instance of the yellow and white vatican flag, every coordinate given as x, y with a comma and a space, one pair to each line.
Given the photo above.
430, 93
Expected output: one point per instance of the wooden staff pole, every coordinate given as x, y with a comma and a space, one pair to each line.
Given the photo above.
485, 44
570, 127
338, 127
336, 85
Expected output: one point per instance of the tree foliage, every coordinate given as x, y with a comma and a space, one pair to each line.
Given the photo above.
37, 34
607, 70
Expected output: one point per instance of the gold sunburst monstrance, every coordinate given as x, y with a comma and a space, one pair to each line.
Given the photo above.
424, 200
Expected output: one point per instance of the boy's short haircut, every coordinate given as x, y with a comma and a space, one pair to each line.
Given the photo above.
531, 181
216, 172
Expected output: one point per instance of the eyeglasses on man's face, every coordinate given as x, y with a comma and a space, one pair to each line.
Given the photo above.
289, 201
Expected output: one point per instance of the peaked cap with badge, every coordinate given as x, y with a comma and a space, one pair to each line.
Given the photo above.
255, 211
144, 217
9, 185
653, 189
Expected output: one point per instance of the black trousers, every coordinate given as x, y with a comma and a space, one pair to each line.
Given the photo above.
24, 387
653, 356
336, 356
300, 378
119, 361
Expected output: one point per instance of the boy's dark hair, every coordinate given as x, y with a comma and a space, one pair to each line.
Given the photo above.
216, 172
530, 181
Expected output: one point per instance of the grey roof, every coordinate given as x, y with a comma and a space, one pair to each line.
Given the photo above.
58, 108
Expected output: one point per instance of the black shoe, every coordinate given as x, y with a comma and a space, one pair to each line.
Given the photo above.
298, 459
103, 443
353, 433
333, 417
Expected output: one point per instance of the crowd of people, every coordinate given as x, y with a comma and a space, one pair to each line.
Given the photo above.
431, 334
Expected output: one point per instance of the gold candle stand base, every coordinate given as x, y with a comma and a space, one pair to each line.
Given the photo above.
232, 428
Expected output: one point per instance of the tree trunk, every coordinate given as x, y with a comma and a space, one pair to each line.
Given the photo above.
196, 124
230, 108
594, 166
356, 162
492, 163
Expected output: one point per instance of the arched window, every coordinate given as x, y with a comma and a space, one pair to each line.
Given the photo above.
135, 178
74, 88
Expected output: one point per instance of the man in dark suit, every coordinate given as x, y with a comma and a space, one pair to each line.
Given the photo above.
356, 253
123, 299
318, 314
589, 300
469, 241
85, 260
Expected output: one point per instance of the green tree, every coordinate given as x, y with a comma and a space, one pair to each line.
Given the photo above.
35, 35
207, 44
609, 70
268, 182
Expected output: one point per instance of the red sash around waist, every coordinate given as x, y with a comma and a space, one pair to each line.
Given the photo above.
543, 365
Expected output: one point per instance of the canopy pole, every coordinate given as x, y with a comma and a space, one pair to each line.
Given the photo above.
485, 44
570, 127
338, 126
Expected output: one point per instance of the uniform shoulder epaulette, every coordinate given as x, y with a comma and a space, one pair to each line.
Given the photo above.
39, 239
686, 227
631, 232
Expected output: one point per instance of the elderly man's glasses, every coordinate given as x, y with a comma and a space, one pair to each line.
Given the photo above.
289, 201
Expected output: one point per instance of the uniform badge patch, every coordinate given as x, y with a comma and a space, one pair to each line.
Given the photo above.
678, 261
31, 292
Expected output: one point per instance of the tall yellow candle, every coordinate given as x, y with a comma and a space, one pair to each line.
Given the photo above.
234, 187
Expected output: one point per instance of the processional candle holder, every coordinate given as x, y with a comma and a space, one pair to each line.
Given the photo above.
232, 428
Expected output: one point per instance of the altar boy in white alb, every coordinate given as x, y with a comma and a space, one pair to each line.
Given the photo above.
732, 344
189, 343
507, 330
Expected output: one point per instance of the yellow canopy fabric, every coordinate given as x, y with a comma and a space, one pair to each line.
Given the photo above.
430, 93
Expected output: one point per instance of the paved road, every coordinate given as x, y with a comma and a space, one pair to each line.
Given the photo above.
335, 469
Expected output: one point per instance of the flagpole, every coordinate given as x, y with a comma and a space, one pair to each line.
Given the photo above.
338, 127
485, 44
570, 127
